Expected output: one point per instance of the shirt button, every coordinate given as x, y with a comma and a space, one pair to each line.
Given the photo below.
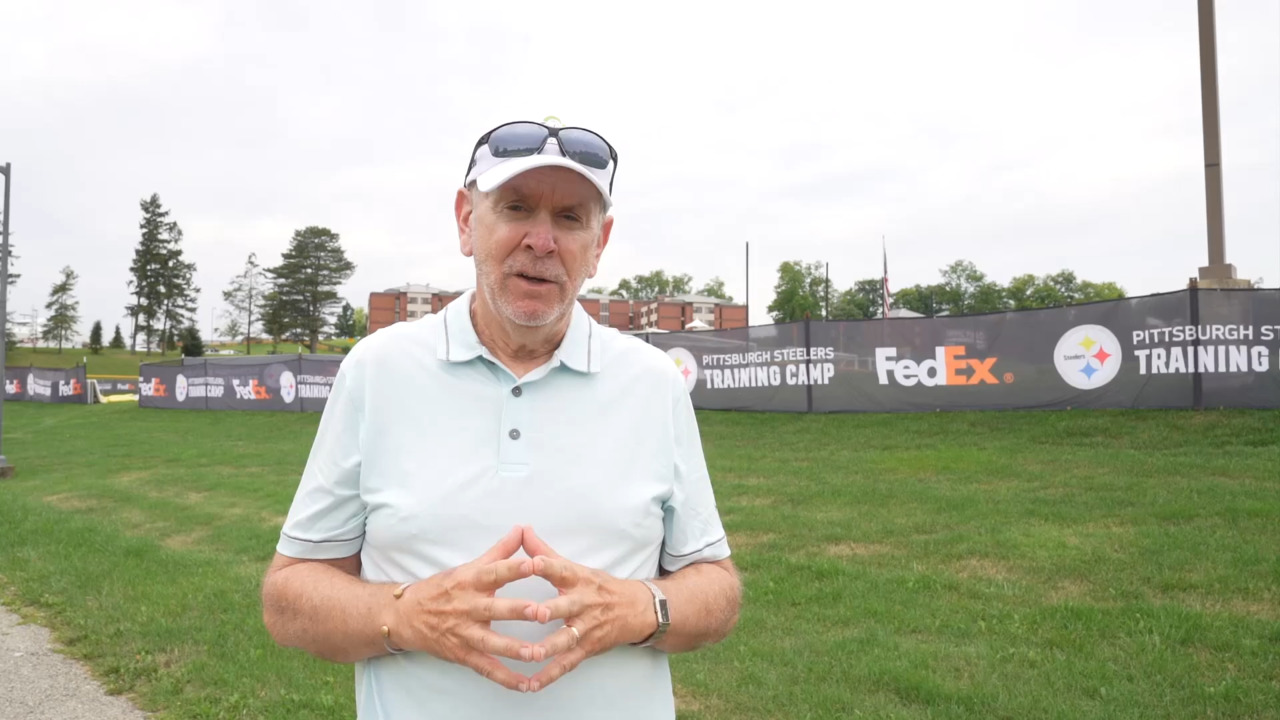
514, 434
517, 391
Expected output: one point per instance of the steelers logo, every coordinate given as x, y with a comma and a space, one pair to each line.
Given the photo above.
687, 366
1088, 357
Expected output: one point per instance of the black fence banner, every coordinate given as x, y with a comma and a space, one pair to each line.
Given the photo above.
289, 383
116, 386
46, 385
1144, 352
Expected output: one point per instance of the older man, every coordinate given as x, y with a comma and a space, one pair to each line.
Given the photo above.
506, 487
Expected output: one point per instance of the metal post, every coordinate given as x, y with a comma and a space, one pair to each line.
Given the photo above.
6, 470
826, 292
747, 300
1217, 269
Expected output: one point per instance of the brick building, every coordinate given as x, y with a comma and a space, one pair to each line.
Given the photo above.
674, 313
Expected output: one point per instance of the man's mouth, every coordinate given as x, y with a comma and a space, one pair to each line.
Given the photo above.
534, 279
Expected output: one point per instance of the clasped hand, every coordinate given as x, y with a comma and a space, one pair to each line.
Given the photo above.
448, 615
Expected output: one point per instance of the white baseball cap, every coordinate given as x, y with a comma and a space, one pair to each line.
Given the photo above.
488, 171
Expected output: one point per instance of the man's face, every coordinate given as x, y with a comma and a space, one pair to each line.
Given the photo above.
535, 240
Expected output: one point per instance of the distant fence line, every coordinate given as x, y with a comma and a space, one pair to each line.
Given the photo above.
46, 385
294, 383
1186, 349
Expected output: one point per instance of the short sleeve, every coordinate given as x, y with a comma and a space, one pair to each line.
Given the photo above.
694, 532
326, 520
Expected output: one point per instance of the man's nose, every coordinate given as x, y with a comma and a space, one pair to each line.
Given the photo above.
541, 236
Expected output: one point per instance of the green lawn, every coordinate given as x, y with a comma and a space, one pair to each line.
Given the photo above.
122, 362
993, 565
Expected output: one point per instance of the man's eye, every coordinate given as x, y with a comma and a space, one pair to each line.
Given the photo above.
571, 217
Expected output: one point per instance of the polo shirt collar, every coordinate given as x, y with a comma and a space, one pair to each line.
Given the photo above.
579, 350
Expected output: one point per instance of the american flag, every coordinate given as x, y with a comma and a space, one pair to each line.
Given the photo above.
885, 289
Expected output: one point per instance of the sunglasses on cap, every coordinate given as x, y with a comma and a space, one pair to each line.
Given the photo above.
524, 138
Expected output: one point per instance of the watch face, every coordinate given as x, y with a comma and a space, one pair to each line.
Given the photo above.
663, 616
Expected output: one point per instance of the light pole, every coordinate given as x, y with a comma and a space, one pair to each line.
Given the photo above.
1218, 273
6, 470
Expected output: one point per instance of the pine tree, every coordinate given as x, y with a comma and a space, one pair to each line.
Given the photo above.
176, 293
117, 340
146, 268
307, 279
245, 298
275, 322
345, 325
95, 338
192, 344
64, 310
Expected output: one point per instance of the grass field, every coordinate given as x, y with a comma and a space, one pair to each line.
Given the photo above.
994, 565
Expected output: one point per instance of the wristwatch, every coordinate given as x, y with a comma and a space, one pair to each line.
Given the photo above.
659, 609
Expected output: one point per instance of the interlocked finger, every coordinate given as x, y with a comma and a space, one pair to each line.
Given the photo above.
557, 668
562, 607
490, 669
490, 642
557, 571
491, 576
494, 608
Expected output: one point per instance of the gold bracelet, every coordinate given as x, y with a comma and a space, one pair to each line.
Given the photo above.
386, 631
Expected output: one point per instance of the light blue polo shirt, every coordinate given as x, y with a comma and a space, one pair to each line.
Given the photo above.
429, 451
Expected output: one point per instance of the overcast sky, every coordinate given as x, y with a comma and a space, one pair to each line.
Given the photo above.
1024, 136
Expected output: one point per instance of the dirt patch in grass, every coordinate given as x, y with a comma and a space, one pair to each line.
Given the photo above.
754, 501
132, 476
73, 501
983, 568
1074, 590
855, 549
185, 541
698, 706
748, 539
1268, 610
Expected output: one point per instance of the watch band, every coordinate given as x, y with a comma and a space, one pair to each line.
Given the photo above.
661, 611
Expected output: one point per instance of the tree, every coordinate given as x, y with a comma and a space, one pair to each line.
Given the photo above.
275, 320
64, 310
965, 289
345, 325
177, 294
95, 338
801, 289
597, 290
307, 279
148, 257
653, 285
117, 340
192, 344
863, 301
715, 288
918, 298
361, 321
244, 296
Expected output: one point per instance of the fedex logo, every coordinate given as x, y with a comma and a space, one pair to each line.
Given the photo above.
949, 366
253, 391
70, 389
13, 387
155, 388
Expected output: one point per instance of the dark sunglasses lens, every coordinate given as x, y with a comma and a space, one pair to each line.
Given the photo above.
585, 148
517, 140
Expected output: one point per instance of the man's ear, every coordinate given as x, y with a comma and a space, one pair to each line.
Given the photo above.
605, 228
463, 209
